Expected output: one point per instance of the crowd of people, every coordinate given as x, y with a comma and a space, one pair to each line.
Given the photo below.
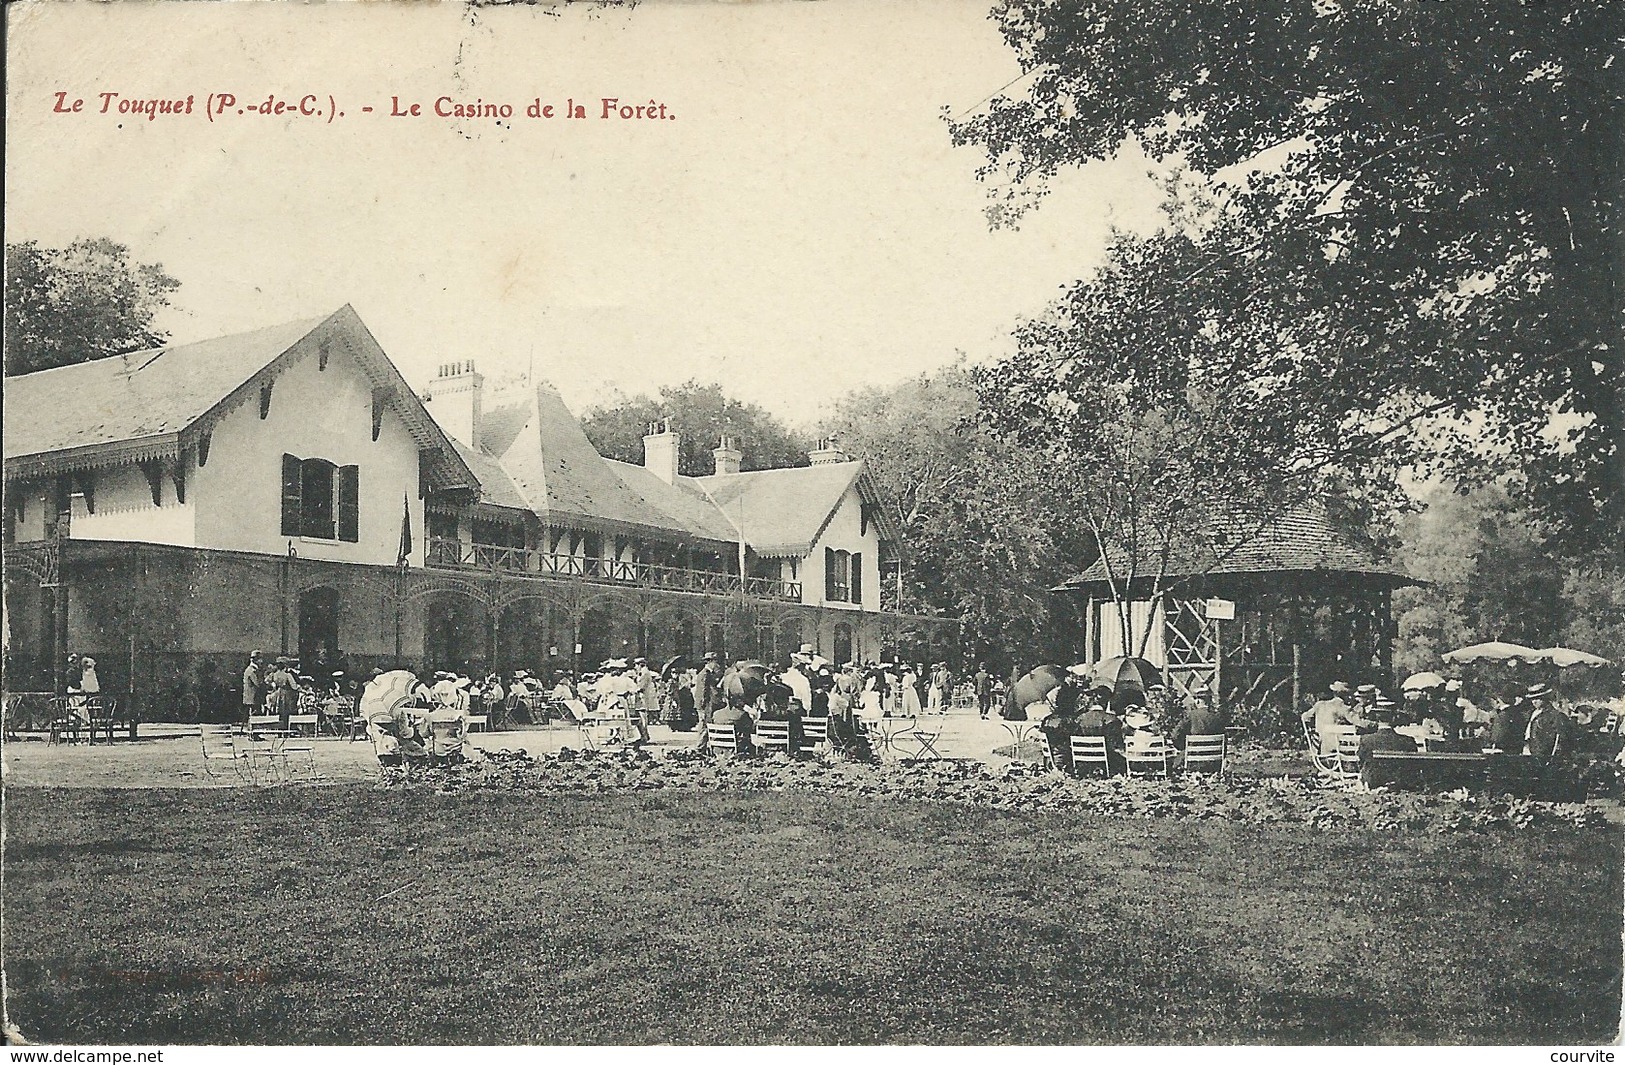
1128, 719
1441, 718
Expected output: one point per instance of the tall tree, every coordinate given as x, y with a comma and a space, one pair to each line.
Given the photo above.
1422, 197
701, 413
1185, 434
81, 302
974, 512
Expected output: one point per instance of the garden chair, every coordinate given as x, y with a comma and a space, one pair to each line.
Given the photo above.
924, 741
263, 721
221, 755
103, 713
1055, 754
1348, 755
260, 758
446, 739
1089, 753
303, 721
814, 732
1205, 754
298, 753
724, 739
1325, 764
65, 720
1150, 759
771, 735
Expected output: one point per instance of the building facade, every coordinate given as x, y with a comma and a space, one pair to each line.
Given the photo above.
287, 491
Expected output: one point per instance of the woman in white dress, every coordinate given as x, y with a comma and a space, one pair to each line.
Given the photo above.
911, 692
873, 704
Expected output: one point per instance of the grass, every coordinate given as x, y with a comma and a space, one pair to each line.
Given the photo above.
234, 916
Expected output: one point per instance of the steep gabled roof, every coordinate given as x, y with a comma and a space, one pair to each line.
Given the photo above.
783, 512
686, 505
151, 404
546, 456
1302, 540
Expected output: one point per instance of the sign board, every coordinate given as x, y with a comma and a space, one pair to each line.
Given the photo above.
1220, 609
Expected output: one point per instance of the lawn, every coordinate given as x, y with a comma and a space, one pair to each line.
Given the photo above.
349, 914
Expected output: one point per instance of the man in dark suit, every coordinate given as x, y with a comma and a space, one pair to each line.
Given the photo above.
1097, 720
1062, 723
1508, 730
1201, 717
1384, 739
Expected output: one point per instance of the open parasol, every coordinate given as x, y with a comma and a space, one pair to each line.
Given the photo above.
674, 663
386, 693
747, 683
1036, 685
1495, 651
1422, 681
1563, 657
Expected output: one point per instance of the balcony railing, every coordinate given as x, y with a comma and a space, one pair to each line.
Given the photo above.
518, 561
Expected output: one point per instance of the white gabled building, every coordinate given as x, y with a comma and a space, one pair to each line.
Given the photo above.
168, 511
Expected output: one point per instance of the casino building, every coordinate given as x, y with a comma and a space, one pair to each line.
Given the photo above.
168, 511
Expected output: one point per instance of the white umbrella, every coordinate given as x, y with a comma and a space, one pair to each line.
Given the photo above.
1564, 657
1422, 681
387, 693
1495, 651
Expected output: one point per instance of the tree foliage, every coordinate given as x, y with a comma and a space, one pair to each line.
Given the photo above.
82, 302
1419, 211
1490, 575
978, 530
701, 413
1178, 438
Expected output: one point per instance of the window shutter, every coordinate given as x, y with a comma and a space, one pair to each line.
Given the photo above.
350, 503
290, 496
829, 573
857, 577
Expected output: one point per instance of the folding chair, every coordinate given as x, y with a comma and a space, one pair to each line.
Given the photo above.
723, 739
288, 753
1205, 754
1325, 764
771, 735
260, 758
814, 732
1348, 755
925, 741
1057, 753
259, 721
299, 721
1089, 752
219, 753
65, 720
1150, 758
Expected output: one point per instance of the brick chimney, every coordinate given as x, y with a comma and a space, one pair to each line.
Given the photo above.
826, 452
454, 398
728, 455
660, 450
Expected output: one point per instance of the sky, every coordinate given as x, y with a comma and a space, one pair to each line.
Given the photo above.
802, 227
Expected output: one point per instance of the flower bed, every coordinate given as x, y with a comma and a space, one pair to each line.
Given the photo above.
1258, 800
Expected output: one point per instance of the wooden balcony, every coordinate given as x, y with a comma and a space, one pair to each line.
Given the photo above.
520, 562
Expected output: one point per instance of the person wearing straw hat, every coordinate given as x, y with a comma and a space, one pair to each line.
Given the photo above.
1550, 735
1331, 714
254, 683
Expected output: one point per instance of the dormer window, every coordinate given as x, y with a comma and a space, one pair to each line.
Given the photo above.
320, 500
